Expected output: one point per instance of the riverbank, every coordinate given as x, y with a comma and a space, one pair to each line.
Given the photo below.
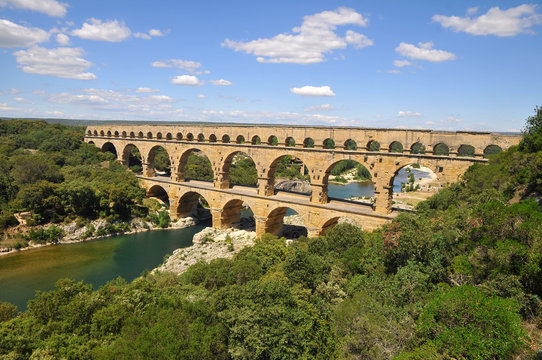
77, 234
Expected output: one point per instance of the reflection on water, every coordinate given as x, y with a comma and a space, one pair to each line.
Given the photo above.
95, 262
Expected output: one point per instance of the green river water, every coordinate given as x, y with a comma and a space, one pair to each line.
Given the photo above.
96, 262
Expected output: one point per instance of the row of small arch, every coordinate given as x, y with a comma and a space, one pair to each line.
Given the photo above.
350, 144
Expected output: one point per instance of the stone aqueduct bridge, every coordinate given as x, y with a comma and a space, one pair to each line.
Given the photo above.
222, 142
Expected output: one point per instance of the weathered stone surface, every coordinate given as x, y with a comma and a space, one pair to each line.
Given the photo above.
317, 211
299, 186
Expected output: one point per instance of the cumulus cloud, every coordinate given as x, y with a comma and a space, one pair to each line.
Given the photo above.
94, 29
220, 82
49, 7
63, 39
146, 90
313, 91
308, 43
21, 99
14, 36
187, 80
147, 36
511, 22
424, 51
187, 65
402, 63
60, 62
408, 114
201, 96
323, 107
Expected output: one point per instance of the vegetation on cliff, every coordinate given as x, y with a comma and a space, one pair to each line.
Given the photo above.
461, 278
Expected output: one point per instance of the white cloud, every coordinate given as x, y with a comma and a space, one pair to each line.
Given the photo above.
60, 62
220, 82
358, 40
201, 96
323, 107
155, 32
188, 80
14, 36
424, 51
188, 65
511, 22
308, 43
142, 36
313, 91
146, 90
95, 29
63, 39
21, 99
408, 114
393, 71
49, 7
402, 63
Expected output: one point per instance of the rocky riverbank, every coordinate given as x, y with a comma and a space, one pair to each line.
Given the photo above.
74, 233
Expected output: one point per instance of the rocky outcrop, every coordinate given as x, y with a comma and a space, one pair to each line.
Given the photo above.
209, 244
298, 186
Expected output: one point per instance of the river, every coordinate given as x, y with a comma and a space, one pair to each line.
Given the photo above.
95, 262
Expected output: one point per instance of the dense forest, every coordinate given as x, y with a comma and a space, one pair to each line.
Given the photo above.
459, 279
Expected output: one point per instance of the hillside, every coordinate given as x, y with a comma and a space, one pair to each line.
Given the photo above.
461, 278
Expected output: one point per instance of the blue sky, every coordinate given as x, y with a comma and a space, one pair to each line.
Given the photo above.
452, 65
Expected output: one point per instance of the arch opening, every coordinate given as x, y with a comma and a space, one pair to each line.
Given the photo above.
195, 165
273, 140
169, 136
226, 139
308, 143
95, 133
373, 145
466, 150
132, 134
116, 134
350, 144
212, 138
109, 133
285, 221
331, 223
149, 135
239, 169
349, 180
417, 148
159, 161
201, 137
102, 133
140, 135
179, 136
240, 139
289, 174
441, 149
256, 140
411, 184
289, 141
194, 205
131, 157
329, 144
109, 147
492, 150
159, 193
159, 135
91, 142
124, 134
190, 137
396, 147
238, 214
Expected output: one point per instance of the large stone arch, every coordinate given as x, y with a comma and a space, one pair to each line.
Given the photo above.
126, 155
188, 204
274, 219
224, 175
109, 147
271, 169
160, 193
231, 209
329, 223
181, 167
150, 158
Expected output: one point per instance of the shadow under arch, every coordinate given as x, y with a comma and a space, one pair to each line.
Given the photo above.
109, 147
331, 223
193, 204
237, 214
131, 157
159, 161
290, 174
285, 221
239, 169
194, 164
159, 193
